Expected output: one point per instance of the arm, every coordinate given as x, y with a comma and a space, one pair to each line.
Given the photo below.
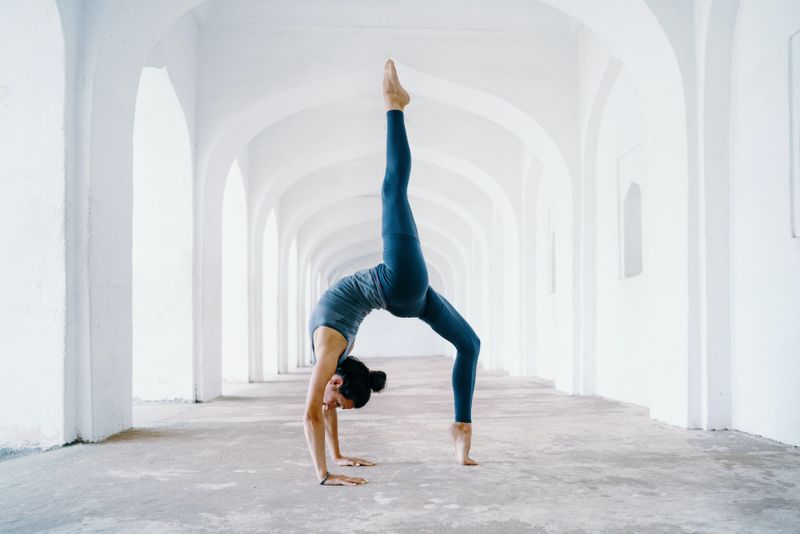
332, 437
332, 432
313, 422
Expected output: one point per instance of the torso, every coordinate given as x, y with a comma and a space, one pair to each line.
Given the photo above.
345, 304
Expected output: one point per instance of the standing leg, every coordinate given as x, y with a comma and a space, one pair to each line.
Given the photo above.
445, 320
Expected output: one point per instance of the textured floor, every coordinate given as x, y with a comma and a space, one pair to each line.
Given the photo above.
549, 463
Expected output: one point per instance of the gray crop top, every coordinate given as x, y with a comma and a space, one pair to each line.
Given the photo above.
345, 304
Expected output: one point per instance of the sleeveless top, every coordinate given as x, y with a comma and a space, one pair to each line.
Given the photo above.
345, 304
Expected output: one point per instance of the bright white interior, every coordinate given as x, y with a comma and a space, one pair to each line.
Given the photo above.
234, 278
607, 191
162, 243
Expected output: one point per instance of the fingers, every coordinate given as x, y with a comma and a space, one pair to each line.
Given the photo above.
355, 462
342, 480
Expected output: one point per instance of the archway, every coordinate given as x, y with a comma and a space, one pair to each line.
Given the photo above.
235, 360
292, 331
270, 296
162, 243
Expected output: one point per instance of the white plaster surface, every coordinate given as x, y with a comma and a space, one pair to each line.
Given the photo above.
270, 297
519, 123
382, 334
765, 259
32, 264
234, 278
162, 243
623, 361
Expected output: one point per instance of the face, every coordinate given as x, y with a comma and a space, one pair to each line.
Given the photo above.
332, 398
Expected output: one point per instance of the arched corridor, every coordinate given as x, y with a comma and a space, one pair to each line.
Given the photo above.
607, 192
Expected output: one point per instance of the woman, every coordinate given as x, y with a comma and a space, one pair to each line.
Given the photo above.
398, 285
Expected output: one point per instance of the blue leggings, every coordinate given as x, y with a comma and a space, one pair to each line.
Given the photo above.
404, 276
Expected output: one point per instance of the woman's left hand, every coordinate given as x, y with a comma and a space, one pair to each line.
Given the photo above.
349, 460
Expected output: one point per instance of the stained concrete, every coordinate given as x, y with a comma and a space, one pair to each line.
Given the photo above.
550, 462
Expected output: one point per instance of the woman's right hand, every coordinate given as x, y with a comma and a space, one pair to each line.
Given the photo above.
343, 480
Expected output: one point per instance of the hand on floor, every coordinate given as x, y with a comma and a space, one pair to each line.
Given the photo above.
349, 460
343, 480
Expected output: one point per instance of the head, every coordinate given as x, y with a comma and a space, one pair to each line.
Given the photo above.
352, 384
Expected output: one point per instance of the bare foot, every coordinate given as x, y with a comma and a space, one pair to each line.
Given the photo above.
462, 439
394, 95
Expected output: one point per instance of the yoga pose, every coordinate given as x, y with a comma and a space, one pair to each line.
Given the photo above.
398, 285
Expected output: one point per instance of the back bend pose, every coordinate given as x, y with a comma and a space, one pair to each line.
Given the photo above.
399, 285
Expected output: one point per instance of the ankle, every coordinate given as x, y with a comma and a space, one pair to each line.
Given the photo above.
462, 427
394, 102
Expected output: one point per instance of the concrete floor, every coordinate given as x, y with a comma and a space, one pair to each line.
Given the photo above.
550, 462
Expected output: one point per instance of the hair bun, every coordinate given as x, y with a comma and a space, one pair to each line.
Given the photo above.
377, 380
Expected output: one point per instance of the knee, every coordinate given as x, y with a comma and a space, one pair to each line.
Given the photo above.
476, 345
397, 173
471, 347
391, 188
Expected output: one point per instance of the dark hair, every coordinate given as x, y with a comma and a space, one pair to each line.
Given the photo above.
358, 380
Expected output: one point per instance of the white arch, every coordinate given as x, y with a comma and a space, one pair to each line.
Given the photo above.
343, 259
352, 241
128, 36
115, 42
350, 233
710, 393
636, 37
241, 128
235, 358
319, 257
269, 275
584, 325
555, 305
507, 268
293, 174
314, 164
435, 271
292, 292
162, 243
339, 257
370, 224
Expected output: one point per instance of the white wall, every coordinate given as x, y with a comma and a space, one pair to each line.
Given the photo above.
383, 334
554, 285
162, 243
294, 327
315, 141
270, 296
234, 279
623, 312
765, 259
32, 265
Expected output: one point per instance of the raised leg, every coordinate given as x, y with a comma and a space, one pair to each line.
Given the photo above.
397, 217
404, 275
445, 320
